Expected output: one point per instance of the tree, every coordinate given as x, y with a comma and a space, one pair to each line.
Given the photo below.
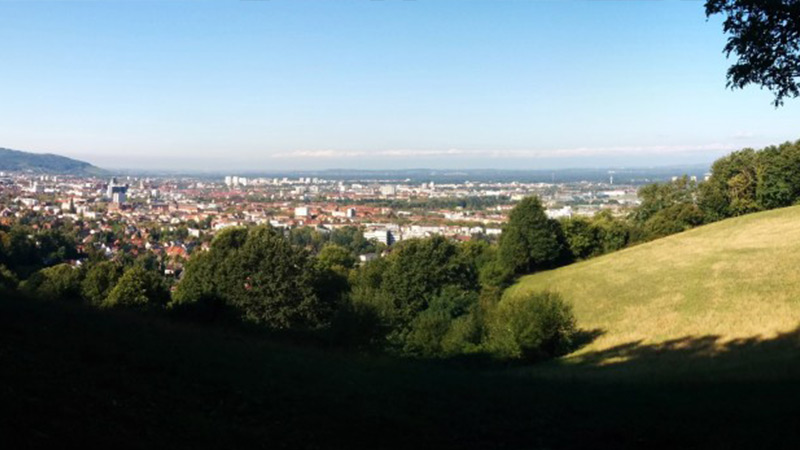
445, 327
352, 238
765, 37
778, 175
21, 249
530, 241
675, 219
336, 258
660, 196
138, 288
99, 281
8, 280
614, 233
421, 295
419, 269
582, 237
61, 281
196, 295
308, 238
263, 276
197, 282
55, 246
534, 326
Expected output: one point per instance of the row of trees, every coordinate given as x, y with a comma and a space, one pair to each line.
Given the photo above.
742, 182
752, 180
103, 284
427, 298
25, 249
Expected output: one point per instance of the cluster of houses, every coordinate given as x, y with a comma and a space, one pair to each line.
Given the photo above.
173, 217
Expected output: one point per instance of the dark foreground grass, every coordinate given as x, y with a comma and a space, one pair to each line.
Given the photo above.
73, 376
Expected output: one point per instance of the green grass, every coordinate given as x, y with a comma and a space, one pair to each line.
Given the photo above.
734, 280
696, 345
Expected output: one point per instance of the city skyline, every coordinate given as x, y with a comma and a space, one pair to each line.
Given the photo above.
267, 86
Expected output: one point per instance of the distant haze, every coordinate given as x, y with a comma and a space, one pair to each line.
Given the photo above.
283, 85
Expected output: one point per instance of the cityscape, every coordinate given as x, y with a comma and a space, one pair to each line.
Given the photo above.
173, 217
410, 225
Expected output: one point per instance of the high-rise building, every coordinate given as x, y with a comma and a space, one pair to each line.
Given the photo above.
117, 193
112, 185
118, 197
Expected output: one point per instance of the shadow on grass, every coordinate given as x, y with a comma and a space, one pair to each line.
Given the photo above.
707, 357
70, 376
585, 337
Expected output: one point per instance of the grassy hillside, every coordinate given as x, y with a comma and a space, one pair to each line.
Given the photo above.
71, 376
727, 283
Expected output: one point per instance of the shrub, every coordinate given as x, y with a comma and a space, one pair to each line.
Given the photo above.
536, 326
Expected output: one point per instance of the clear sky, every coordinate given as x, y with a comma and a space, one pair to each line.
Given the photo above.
304, 84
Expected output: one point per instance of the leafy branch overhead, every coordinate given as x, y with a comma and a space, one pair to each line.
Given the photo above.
765, 37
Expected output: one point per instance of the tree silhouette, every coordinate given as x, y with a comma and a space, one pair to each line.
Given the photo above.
765, 36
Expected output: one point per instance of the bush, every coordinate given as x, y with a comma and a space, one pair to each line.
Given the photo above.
532, 327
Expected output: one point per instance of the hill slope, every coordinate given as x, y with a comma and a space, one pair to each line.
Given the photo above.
70, 376
735, 279
18, 161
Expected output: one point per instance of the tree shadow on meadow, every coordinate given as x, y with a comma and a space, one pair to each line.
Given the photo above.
707, 357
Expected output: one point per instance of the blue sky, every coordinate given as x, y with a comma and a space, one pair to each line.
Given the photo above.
304, 84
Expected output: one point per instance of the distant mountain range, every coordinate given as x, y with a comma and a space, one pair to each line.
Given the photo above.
18, 161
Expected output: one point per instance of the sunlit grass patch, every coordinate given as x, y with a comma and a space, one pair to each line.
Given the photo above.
738, 278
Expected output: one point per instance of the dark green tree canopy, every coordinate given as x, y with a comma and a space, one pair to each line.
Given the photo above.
749, 180
530, 241
423, 295
765, 37
419, 269
99, 281
263, 276
138, 288
61, 281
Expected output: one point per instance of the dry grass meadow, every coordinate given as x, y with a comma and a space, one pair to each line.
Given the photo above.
716, 287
